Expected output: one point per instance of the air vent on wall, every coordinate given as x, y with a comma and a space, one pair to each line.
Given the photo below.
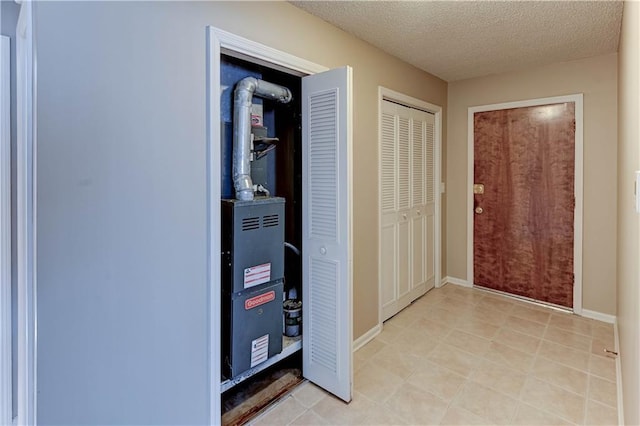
250, 223
270, 220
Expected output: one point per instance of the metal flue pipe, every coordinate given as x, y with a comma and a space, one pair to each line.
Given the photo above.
243, 95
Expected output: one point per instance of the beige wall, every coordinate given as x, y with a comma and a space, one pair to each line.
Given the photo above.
287, 28
597, 79
628, 220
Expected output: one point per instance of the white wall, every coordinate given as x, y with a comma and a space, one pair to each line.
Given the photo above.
122, 318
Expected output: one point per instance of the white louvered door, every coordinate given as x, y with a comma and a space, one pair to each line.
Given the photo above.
326, 229
407, 189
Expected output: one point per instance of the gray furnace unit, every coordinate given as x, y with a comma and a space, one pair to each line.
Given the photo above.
252, 246
252, 281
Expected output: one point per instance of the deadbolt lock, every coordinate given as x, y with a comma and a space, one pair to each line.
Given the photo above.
478, 188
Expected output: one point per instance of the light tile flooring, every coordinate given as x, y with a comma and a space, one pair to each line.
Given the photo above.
462, 356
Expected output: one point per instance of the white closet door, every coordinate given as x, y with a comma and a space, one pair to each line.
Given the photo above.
389, 207
403, 143
407, 206
326, 229
430, 201
418, 217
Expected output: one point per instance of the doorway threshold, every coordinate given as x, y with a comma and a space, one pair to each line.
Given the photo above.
528, 300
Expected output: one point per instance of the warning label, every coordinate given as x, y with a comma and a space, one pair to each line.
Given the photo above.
259, 300
257, 275
259, 350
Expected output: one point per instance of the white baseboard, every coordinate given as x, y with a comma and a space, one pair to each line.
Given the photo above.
366, 337
618, 374
456, 281
611, 319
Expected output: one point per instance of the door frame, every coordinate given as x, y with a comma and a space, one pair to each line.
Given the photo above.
577, 99
26, 210
223, 42
6, 388
385, 94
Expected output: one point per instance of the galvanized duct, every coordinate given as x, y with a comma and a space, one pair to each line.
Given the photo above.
243, 95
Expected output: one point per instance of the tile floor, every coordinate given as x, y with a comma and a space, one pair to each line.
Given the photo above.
461, 356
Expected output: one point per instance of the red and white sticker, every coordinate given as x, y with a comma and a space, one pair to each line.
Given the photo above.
260, 299
257, 275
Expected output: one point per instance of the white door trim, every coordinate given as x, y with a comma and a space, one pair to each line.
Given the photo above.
218, 42
578, 183
6, 388
26, 215
411, 102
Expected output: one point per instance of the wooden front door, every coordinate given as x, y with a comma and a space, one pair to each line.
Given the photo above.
524, 201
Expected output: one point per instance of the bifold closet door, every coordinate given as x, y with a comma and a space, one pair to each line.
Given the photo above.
326, 231
407, 242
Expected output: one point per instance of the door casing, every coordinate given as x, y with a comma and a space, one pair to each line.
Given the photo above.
26, 220
223, 42
6, 405
577, 99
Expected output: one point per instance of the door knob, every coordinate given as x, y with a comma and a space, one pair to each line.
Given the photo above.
479, 210
323, 250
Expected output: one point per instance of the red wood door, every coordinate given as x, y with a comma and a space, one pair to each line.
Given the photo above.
523, 222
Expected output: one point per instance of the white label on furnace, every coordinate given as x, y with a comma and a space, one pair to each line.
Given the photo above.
259, 350
256, 275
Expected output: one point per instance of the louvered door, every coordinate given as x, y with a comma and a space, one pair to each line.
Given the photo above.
407, 188
326, 229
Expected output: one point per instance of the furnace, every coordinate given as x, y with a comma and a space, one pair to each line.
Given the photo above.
252, 278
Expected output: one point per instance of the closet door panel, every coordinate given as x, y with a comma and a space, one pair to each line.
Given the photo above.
430, 229
418, 249
404, 257
430, 203
404, 163
388, 265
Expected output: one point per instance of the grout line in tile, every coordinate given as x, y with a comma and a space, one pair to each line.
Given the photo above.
555, 414
586, 398
566, 346
298, 416
535, 358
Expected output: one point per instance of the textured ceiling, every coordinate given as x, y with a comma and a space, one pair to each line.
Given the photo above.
455, 40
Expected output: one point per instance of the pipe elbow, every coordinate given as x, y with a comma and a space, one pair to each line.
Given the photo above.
247, 84
243, 94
